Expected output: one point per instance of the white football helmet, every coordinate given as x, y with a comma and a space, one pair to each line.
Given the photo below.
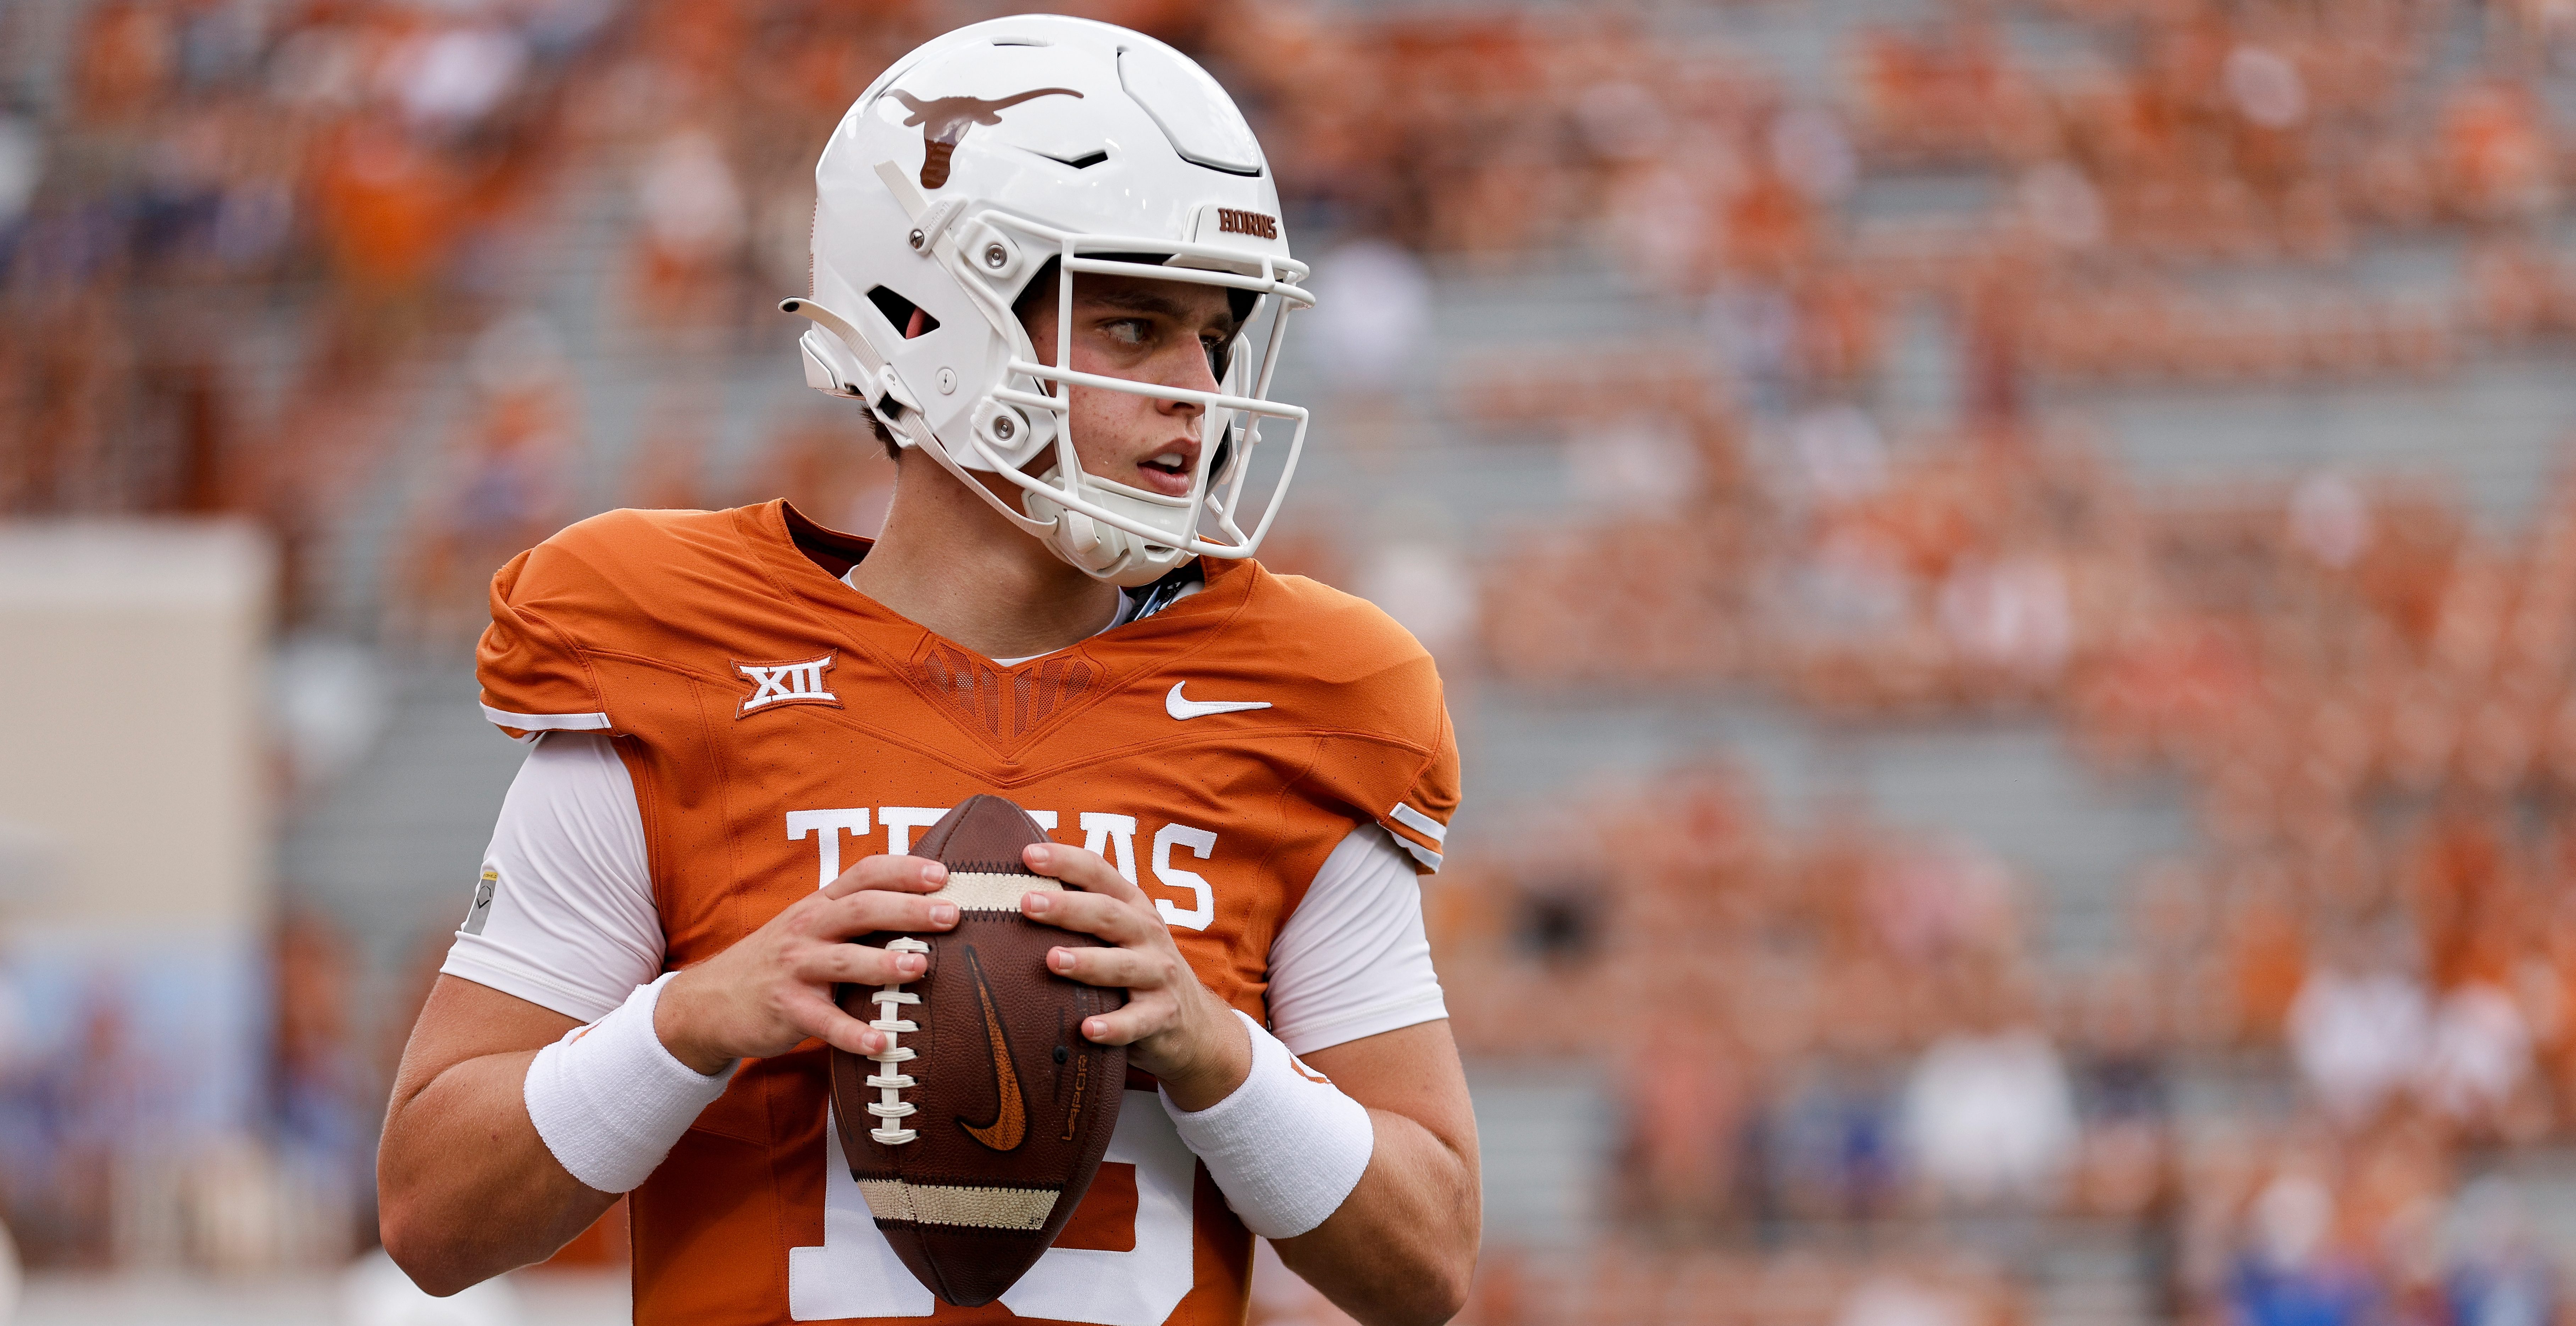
947, 188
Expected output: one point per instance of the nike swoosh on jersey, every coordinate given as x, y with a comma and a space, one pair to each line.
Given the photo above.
1010, 1123
1177, 707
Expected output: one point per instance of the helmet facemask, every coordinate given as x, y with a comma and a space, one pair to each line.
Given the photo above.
1112, 530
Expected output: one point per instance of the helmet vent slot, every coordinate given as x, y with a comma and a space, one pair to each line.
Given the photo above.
908, 318
1083, 162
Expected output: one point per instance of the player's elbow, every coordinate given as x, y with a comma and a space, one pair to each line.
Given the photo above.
421, 1254
1434, 1296
1428, 1289
438, 1257
1445, 1265
1447, 1291
1444, 1293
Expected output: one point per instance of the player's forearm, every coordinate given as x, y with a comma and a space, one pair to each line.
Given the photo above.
1401, 1248
466, 1188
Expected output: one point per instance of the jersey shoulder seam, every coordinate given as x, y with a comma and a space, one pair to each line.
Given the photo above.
1287, 787
574, 649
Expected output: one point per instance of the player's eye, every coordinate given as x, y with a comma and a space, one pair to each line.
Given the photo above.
1129, 331
1219, 349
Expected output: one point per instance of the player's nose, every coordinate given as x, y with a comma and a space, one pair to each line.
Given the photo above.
1187, 368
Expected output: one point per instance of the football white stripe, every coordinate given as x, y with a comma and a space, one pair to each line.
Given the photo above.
992, 893
939, 1204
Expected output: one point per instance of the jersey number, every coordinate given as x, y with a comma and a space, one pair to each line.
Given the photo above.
856, 1274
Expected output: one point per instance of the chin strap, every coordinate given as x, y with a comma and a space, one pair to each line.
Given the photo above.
1101, 551
1081, 541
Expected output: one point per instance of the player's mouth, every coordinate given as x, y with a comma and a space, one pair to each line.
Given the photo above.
1168, 471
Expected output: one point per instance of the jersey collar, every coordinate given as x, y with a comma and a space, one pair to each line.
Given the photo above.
799, 557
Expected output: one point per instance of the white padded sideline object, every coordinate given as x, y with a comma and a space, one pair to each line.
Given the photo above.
610, 1101
1286, 1148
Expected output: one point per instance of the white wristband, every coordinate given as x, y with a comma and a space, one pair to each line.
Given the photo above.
1286, 1148
610, 1101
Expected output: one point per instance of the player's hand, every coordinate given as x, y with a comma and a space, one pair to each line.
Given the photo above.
1173, 1027
773, 988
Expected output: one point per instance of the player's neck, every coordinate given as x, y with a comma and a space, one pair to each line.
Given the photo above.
948, 561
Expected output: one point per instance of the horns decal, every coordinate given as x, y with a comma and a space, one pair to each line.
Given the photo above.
945, 121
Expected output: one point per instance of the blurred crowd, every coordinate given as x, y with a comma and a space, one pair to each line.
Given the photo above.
2192, 216
1840, 1031
243, 245
414, 285
1844, 1038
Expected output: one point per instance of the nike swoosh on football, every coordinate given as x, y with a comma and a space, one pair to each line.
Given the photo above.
1177, 707
1011, 1119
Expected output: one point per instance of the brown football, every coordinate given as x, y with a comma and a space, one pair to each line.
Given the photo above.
974, 1137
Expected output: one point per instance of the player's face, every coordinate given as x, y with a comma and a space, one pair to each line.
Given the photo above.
1167, 333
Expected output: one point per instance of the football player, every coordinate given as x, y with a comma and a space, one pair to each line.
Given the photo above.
1048, 263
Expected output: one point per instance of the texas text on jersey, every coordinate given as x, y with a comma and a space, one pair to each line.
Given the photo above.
779, 725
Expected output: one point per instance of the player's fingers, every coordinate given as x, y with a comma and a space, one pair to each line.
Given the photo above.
881, 909
858, 964
1080, 869
910, 874
816, 1016
1115, 968
1121, 923
1139, 1019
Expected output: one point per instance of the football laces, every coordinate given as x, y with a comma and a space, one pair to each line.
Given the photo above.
890, 1085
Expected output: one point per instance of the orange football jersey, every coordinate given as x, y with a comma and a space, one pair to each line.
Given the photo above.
780, 725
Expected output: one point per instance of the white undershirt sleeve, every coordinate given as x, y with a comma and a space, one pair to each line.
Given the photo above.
1353, 961
569, 923
563, 913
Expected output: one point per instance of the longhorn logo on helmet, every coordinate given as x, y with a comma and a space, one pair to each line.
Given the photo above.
945, 120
